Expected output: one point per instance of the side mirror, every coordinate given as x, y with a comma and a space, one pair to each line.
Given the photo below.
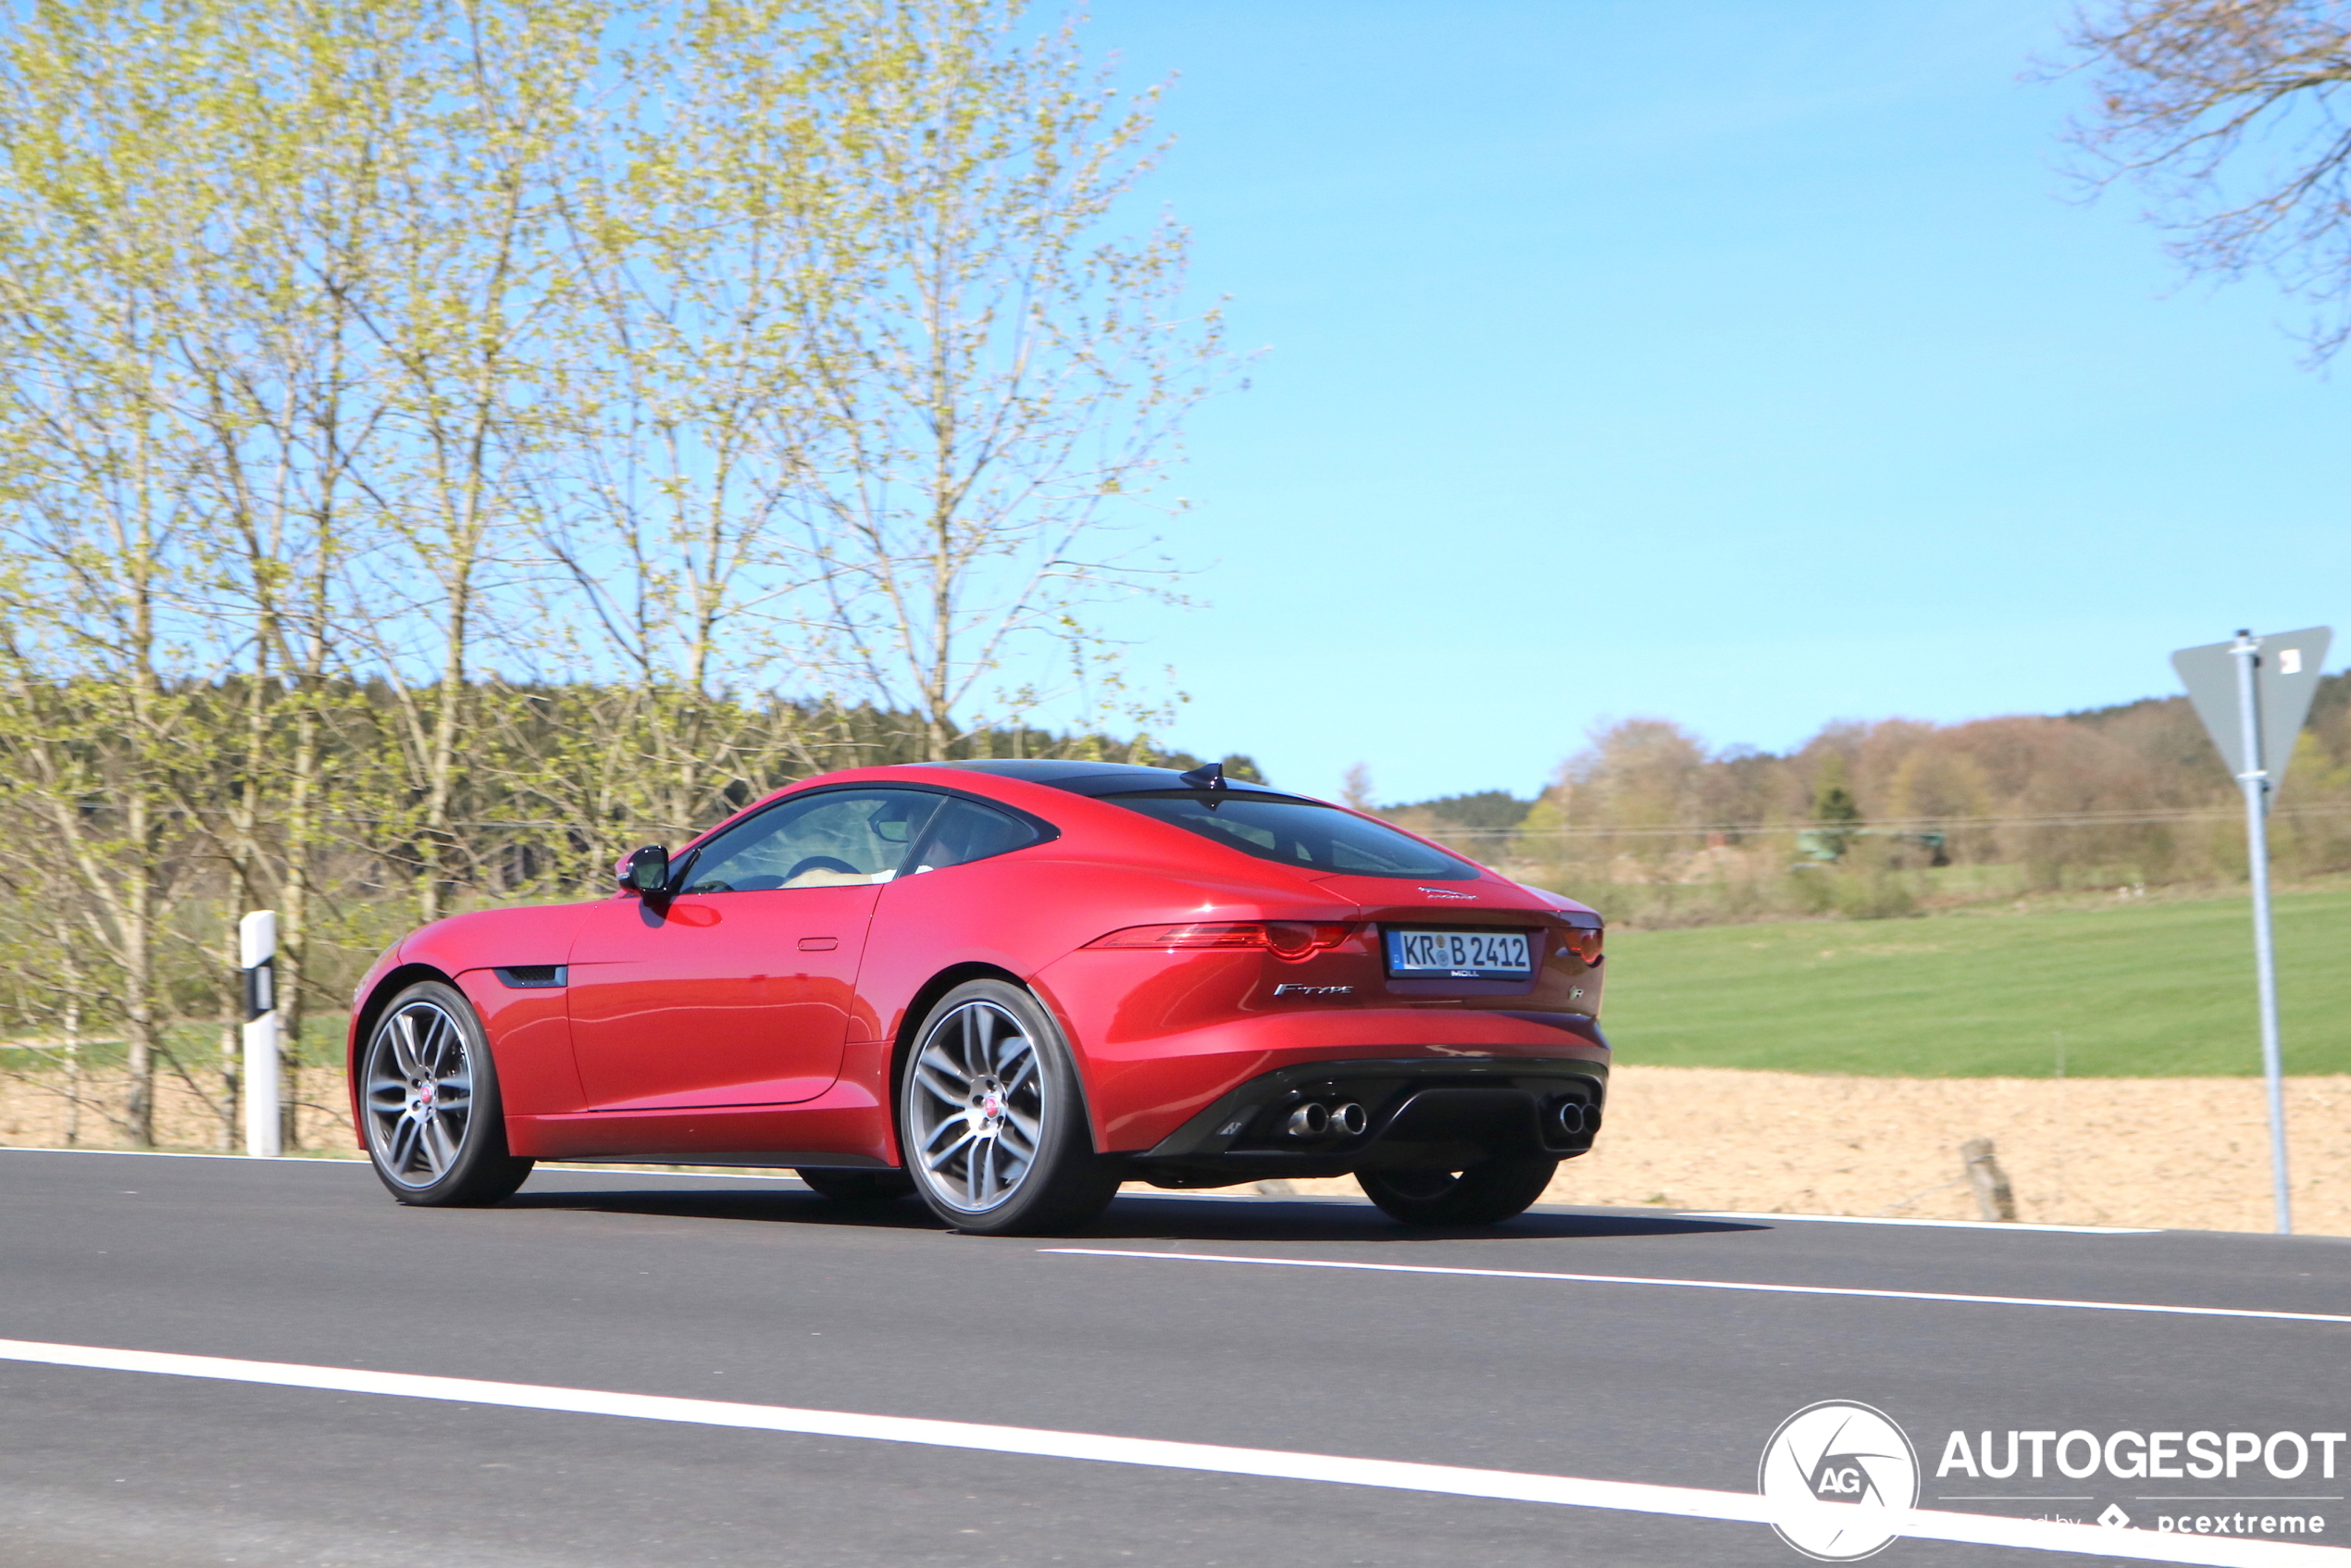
647, 870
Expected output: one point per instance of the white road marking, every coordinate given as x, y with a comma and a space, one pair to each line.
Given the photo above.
776, 1173
175, 1154
1628, 1496
1715, 1285
1136, 1190
1935, 1225
359, 1162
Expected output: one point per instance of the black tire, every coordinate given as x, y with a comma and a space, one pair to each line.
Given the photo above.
428, 1101
991, 1117
1480, 1195
858, 1187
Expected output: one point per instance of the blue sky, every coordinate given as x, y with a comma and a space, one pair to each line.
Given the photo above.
1746, 365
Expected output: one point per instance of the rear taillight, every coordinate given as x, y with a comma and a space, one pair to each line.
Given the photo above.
1583, 941
1295, 939
1282, 939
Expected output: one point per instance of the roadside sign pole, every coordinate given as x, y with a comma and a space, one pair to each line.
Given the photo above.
257, 952
2253, 695
2254, 781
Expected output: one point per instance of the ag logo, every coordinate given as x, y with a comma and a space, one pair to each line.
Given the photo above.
1843, 1478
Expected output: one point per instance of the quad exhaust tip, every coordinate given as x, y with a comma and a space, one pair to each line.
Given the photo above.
1314, 1119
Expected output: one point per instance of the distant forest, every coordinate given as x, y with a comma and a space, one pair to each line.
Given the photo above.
1865, 820
1894, 816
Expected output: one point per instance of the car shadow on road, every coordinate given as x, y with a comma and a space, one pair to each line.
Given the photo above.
1136, 1218
1276, 1219
774, 1205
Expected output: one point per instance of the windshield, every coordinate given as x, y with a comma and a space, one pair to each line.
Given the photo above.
1299, 833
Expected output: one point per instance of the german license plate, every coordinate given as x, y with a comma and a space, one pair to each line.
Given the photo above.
1458, 955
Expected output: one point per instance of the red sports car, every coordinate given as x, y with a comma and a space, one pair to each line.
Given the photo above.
1007, 987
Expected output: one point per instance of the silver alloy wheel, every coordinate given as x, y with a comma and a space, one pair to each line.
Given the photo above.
978, 1105
420, 1093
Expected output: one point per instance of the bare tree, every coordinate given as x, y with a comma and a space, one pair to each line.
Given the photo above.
682, 398
2229, 114
465, 291
1001, 368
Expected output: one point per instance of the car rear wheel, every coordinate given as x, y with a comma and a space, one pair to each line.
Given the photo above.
436, 1132
1480, 1195
994, 1121
858, 1187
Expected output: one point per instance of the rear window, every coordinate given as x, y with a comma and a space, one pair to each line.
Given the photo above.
1299, 833
967, 831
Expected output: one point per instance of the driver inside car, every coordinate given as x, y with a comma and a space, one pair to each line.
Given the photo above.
832, 840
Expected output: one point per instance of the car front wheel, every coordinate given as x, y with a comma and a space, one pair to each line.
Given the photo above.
436, 1133
992, 1119
1480, 1195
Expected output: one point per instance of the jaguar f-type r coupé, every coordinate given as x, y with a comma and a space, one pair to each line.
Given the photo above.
1008, 986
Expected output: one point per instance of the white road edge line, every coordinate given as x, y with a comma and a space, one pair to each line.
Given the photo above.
1934, 1224
1629, 1496
777, 1173
359, 1162
1715, 1285
1136, 1190
774, 1172
186, 1154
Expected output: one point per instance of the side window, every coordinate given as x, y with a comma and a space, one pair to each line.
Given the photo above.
838, 838
967, 830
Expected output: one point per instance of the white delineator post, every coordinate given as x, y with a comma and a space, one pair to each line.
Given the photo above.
258, 952
2254, 781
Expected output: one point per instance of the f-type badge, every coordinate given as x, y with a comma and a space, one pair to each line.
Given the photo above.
1313, 991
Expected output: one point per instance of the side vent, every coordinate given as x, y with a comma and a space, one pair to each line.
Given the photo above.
532, 976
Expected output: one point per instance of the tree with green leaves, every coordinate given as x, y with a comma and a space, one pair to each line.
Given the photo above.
448, 439
1836, 815
105, 207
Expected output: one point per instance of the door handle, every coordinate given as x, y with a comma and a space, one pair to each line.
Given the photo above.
818, 944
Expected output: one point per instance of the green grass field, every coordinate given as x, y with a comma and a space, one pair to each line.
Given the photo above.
2139, 990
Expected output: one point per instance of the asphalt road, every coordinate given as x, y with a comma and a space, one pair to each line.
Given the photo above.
758, 1291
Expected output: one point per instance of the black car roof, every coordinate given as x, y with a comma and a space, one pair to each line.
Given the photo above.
1095, 777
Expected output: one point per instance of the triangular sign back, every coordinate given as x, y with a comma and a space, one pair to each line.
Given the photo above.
2286, 679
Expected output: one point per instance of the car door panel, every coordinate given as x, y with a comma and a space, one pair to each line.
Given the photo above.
737, 999
737, 987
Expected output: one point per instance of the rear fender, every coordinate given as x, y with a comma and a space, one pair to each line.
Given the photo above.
918, 1011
